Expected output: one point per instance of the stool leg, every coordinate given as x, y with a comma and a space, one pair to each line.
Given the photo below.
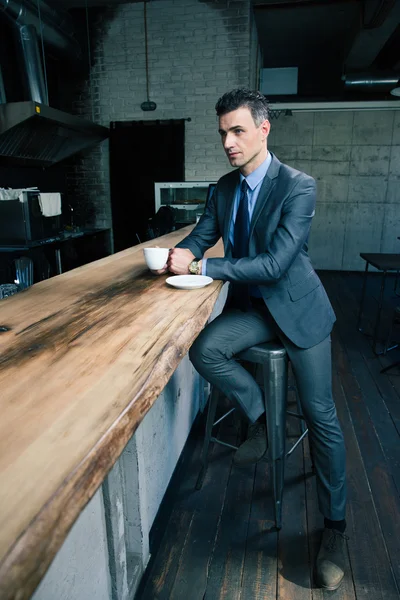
212, 409
275, 372
313, 469
278, 475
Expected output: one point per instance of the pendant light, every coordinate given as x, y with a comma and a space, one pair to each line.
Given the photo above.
148, 105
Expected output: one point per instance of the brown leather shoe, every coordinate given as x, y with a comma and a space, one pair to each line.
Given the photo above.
254, 448
329, 568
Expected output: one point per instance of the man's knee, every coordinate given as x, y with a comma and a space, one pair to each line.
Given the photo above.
323, 422
205, 350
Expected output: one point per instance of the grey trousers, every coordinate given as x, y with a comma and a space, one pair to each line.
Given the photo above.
212, 354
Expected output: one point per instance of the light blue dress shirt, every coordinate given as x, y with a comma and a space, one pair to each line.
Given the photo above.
254, 181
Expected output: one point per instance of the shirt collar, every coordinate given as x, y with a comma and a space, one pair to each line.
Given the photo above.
258, 174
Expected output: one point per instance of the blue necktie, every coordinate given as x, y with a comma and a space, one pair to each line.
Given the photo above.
241, 292
242, 225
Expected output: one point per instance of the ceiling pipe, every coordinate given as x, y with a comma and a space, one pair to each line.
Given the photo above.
295, 4
33, 64
56, 26
3, 97
367, 82
31, 132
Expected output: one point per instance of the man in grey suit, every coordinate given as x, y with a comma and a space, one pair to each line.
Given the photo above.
263, 211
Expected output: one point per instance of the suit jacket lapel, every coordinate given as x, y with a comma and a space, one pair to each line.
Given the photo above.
267, 187
230, 193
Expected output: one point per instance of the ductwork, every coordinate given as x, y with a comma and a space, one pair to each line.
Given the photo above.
33, 64
367, 82
3, 97
32, 132
56, 26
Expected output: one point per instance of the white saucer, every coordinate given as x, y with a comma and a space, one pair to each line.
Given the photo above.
189, 282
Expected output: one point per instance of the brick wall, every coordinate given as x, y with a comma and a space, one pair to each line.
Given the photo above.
198, 49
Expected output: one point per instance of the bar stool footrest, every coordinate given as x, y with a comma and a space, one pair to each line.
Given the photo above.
217, 441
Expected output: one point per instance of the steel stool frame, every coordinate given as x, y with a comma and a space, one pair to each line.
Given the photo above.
274, 361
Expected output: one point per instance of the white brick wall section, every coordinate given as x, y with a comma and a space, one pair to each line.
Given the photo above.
197, 51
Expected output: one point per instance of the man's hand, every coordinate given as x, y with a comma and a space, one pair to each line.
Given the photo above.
160, 271
179, 260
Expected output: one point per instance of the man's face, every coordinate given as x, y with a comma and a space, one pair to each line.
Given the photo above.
245, 144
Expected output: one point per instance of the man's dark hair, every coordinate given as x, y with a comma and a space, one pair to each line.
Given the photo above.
242, 97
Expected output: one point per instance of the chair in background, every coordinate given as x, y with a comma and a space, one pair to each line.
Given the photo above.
23, 272
395, 321
162, 223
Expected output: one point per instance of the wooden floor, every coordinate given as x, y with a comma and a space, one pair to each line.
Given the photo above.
219, 543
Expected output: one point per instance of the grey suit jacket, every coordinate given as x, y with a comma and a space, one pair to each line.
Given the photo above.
278, 260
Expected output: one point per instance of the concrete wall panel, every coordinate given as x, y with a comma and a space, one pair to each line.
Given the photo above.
363, 233
373, 127
292, 130
334, 128
394, 169
371, 190
327, 235
332, 188
80, 570
391, 229
393, 192
370, 160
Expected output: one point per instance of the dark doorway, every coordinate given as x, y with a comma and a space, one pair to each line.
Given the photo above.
141, 153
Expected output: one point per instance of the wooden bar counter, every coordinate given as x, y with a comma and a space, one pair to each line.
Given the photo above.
84, 357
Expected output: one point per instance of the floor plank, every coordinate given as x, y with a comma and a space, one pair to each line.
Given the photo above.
371, 569
294, 579
227, 562
261, 566
220, 543
346, 590
376, 433
192, 576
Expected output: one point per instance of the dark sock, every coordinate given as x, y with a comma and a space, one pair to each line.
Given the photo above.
338, 525
261, 418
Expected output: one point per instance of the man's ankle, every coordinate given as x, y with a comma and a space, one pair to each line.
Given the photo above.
338, 525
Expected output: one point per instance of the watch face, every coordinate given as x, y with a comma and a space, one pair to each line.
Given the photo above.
194, 267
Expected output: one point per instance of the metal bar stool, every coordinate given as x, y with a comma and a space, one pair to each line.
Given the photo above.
273, 358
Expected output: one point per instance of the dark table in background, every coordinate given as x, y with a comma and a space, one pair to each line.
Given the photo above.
385, 263
55, 243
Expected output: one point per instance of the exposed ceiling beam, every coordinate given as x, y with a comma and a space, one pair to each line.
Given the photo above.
90, 3
335, 106
369, 42
280, 4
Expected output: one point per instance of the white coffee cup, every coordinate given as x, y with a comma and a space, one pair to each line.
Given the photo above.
156, 258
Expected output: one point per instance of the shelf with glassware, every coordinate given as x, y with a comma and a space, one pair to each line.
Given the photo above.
187, 199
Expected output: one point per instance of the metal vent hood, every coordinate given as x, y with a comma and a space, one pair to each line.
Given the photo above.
32, 132
41, 136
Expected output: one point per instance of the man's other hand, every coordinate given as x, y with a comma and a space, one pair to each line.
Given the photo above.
179, 260
160, 271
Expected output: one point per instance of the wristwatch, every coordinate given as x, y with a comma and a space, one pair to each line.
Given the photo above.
194, 267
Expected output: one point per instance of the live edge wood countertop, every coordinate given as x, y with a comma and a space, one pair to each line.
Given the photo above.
86, 355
